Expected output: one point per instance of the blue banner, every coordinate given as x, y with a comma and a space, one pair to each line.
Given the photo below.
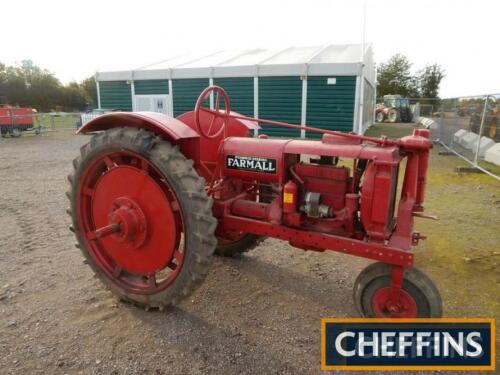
397, 344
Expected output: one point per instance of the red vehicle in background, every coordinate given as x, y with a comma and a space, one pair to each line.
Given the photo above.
394, 108
15, 120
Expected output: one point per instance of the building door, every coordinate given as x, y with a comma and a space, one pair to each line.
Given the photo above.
153, 103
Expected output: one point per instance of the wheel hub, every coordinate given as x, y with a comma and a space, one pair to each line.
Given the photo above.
383, 304
131, 221
134, 220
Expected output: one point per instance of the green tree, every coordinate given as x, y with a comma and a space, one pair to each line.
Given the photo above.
89, 87
3, 79
394, 77
73, 97
29, 85
430, 78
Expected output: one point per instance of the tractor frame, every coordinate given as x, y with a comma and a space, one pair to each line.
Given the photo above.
221, 189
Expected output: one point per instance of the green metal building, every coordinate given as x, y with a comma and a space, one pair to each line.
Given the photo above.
331, 87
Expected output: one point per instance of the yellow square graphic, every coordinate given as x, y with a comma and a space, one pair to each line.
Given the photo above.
287, 198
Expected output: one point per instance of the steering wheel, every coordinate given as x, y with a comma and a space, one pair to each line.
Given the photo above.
215, 113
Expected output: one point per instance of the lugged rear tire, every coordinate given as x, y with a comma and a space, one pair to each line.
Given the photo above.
179, 182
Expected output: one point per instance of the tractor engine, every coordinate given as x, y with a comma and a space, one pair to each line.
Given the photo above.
297, 190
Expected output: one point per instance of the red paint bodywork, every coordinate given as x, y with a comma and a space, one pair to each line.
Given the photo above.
158, 123
15, 116
364, 217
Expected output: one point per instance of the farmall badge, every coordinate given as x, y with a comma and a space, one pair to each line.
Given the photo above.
251, 163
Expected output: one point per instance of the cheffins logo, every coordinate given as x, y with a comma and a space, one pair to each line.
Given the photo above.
251, 163
408, 344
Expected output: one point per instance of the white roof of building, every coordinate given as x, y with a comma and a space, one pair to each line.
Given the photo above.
315, 60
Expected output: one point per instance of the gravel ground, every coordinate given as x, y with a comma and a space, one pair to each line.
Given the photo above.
259, 313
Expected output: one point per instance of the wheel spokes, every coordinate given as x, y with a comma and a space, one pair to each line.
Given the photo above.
145, 166
107, 230
123, 218
109, 163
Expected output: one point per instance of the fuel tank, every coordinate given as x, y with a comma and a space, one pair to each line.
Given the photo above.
256, 159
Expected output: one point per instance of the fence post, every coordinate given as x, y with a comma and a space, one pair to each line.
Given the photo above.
441, 123
481, 129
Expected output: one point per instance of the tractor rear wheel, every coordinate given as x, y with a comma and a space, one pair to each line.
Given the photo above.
380, 117
393, 115
141, 217
16, 132
419, 297
237, 243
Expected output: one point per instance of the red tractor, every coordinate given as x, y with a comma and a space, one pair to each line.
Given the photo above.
15, 120
153, 197
394, 109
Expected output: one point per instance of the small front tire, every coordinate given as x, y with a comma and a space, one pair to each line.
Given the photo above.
419, 297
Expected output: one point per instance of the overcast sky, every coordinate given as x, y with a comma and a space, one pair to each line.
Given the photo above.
74, 39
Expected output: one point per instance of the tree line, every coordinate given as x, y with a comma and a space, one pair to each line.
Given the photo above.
394, 77
29, 85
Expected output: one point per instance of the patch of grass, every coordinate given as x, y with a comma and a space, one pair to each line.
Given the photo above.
391, 130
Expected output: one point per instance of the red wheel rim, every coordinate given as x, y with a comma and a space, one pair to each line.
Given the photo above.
384, 307
131, 222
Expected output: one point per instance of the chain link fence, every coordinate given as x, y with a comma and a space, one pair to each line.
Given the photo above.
470, 128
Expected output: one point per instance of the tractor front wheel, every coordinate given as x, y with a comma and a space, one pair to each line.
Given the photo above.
418, 297
380, 117
141, 217
16, 132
